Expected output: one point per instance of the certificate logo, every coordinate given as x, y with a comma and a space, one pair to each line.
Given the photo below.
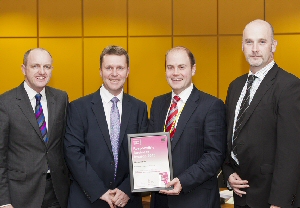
137, 141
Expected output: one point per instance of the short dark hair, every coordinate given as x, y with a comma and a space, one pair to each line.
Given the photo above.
188, 52
114, 50
25, 59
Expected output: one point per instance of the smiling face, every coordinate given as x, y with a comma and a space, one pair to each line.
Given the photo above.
258, 44
114, 72
37, 69
179, 70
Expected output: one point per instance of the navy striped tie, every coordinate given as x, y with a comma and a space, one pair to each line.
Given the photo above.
39, 115
243, 110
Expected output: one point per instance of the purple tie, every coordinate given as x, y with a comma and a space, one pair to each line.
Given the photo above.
115, 130
39, 115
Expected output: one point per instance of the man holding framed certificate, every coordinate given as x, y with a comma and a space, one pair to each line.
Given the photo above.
196, 122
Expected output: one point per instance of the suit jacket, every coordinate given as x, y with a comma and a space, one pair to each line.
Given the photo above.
25, 157
198, 148
89, 153
268, 143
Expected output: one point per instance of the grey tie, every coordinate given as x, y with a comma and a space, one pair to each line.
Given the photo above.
242, 112
115, 130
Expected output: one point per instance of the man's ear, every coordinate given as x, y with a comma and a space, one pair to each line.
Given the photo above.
194, 70
274, 45
128, 70
100, 72
23, 67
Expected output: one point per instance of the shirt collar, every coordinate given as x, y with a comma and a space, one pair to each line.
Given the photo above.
107, 96
31, 92
262, 73
184, 95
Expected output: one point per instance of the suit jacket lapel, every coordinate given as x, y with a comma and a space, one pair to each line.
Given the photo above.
99, 113
24, 104
164, 110
264, 86
236, 95
189, 107
51, 104
126, 111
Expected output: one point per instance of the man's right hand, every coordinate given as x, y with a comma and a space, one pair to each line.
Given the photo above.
108, 196
237, 184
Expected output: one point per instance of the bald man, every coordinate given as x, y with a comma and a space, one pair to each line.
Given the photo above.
33, 172
263, 114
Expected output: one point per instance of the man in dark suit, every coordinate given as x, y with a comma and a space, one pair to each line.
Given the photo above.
32, 168
198, 133
263, 157
99, 166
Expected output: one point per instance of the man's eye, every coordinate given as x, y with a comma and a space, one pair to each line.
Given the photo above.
170, 67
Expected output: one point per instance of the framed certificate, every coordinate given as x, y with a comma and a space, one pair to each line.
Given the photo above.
150, 161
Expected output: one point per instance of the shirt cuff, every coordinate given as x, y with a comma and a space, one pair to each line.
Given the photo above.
5, 205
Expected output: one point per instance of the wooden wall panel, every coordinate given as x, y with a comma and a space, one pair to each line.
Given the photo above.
147, 77
232, 62
18, 18
235, 14
147, 18
287, 53
284, 15
77, 31
195, 17
12, 51
60, 18
205, 52
105, 18
67, 74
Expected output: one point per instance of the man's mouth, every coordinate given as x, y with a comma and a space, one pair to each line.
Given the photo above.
40, 78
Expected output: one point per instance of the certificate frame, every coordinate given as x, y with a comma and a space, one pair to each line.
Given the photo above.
150, 161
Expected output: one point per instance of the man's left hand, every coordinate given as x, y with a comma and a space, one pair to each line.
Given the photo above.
120, 199
273, 206
176, 190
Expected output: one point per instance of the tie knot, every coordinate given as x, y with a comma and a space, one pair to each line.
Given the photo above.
176, 99
38, 97
251, 78
114, 100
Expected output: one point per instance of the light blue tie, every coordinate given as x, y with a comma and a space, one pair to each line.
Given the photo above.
115, 130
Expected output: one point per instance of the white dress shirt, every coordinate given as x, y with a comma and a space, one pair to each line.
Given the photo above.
106, 97
184, 95
31, 95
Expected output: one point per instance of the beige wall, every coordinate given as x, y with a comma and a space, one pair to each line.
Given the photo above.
76, 31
